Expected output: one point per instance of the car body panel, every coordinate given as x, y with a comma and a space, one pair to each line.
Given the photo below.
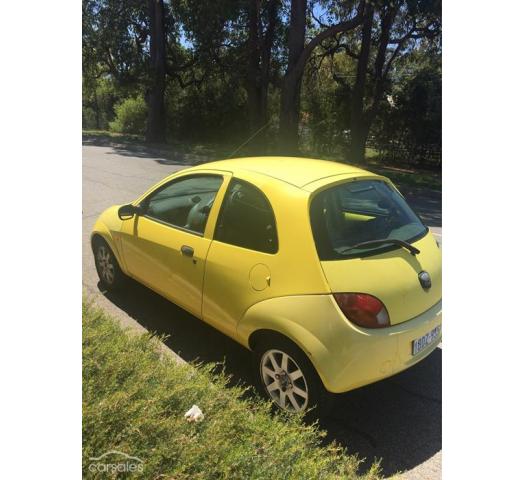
237, 278
154, 257
154, 251
392, 277
345, 356
108, 226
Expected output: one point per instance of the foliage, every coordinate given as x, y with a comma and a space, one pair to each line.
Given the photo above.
134, 400
99, 99
409, 129
130, 116
226, 64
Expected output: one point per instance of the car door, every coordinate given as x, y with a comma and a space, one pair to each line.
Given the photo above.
165, 247
241, 258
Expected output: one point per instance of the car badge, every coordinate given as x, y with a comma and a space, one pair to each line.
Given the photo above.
424, 280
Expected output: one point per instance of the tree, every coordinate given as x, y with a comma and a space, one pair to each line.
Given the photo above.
298, 55
126, 40
222, 71
262, 21
390, 29
156, 124
235, 40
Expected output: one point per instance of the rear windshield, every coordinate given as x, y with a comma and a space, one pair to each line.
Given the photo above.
360, 211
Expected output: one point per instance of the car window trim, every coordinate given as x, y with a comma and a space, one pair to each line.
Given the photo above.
176, 227
145, 200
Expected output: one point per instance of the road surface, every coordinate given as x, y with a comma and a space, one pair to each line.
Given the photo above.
398, 419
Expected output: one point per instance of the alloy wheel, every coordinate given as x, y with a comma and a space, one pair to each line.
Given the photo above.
105, 264
284, 381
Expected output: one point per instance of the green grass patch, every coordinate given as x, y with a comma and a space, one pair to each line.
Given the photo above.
134, 400
408, 177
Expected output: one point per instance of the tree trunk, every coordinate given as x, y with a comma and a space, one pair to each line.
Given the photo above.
361, 118
253, 84
291, 87
97, 111
359, 135
266, 54
298, 55
359, 125
258, 75
156, 123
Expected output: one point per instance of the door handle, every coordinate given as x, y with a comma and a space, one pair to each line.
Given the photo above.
186, 250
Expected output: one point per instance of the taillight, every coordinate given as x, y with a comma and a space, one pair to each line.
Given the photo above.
363, 310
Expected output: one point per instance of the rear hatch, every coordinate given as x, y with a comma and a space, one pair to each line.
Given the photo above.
372, 211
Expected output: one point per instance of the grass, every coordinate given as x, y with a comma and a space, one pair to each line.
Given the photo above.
407, 177
134, 400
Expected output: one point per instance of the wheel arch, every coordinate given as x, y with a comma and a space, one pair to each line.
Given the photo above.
104, 227
262, 334
266, 320
96, 237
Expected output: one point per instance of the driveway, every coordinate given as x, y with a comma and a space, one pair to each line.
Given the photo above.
398, 419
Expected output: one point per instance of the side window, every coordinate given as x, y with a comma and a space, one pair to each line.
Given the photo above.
184, 203
247, 219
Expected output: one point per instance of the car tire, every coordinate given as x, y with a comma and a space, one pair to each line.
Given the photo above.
108, 269
286, 384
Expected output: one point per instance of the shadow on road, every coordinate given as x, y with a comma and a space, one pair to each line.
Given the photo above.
162, 154
398, 419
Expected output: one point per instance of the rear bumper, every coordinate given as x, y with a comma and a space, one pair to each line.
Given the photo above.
376, 354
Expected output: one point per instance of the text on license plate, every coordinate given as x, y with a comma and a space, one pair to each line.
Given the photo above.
422, 342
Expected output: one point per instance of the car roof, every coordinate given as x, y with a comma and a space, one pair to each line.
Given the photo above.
297, 171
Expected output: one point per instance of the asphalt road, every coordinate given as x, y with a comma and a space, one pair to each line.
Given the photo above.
397, 419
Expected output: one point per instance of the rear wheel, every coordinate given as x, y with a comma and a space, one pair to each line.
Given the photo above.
108, 269
286, 376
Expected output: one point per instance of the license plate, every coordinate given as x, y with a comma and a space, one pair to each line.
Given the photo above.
424, 341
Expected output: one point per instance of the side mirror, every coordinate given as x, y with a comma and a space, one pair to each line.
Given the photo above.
128, 211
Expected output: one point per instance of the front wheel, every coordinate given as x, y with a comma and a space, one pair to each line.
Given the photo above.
287, 377
107, 266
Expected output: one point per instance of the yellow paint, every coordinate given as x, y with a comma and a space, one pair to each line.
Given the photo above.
240, 291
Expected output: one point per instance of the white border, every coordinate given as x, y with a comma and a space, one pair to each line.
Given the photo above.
40, 235
484, 214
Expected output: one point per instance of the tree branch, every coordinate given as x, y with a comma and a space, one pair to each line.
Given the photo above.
345, 26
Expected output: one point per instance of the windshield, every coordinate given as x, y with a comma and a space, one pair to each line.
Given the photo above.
361, 211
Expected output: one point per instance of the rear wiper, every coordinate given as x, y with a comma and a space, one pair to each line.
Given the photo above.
373, 243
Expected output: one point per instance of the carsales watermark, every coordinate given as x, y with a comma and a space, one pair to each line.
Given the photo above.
115, 462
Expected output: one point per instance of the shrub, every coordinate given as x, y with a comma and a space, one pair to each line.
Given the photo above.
134, 400
130, 116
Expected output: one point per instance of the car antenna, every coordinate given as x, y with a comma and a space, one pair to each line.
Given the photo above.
249, 139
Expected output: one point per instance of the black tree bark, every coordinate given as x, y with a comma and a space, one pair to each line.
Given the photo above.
291, 86
258, 75
156, 123
358, 119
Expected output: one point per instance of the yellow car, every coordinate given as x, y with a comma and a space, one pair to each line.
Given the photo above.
321, 269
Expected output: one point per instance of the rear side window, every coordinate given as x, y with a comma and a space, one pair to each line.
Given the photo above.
246, 219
